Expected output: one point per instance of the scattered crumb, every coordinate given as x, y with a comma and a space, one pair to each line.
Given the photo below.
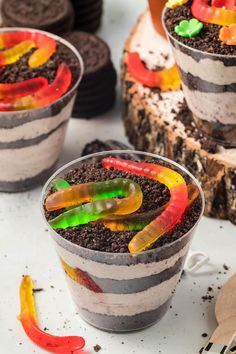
204, 335
38, 290
210, 288
225, 267
207, 298
97, 348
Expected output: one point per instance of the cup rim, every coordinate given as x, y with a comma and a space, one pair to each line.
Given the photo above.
114, 152
60, 40
223, 56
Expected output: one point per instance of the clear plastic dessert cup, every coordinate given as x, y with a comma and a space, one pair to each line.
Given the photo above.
208, 82
31, 140
121, 292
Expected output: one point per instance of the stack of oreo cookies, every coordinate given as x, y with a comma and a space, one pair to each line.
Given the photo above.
96, 93
56, 16
88, 14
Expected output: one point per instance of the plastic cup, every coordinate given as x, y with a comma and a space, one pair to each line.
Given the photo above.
31, 140
120, 292
208, 83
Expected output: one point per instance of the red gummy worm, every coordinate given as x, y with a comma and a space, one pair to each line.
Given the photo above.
228, 4
28, 318
23, 88
45, 95
217, 15
167, 79
41, 40
57, 89
175, 208
46, 45
81, 277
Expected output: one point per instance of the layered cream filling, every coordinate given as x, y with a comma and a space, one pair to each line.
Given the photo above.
22, 163
119, 272
35, 128
212, 107
123, 304
213, 71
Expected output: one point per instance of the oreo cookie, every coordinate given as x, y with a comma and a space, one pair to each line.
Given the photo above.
94, 109
56, 16
100, 146
96, 93
88, 14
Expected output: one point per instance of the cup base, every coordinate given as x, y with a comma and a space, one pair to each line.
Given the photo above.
123, 324
28, 183
224, 134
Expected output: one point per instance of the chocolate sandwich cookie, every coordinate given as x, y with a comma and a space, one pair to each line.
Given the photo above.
88, 14
56, 16
99, 146
96, 93
93, 109
92, 88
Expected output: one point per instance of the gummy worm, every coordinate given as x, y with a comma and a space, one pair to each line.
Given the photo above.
176, 205
44, 96
59, 184
138, 221
23, 88
46, 46
131, 222
11, 55
101, 194
114, 222
88, 192
228, 4
167, 79
209, 14
84, 214
29, 321
81, 277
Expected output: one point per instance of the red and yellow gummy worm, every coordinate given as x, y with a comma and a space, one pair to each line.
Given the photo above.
29, 321
172, 214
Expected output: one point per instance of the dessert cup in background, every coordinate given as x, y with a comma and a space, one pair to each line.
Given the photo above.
31, 140
156, 7
121, 292
208, 82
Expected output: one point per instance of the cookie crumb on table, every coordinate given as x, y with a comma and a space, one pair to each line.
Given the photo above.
97, 348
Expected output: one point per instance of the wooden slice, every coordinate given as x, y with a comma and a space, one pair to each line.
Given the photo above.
161, 123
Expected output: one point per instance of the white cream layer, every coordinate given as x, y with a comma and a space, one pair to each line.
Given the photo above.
119, 272
35, 128
212, 107
209, 70
28, 162
123, 304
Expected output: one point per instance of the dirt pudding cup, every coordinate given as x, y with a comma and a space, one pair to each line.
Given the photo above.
208, 69
114, 288
37, 89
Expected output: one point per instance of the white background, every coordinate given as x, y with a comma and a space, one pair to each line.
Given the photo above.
26, 248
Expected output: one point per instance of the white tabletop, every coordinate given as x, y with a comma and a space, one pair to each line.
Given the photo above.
26, 248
